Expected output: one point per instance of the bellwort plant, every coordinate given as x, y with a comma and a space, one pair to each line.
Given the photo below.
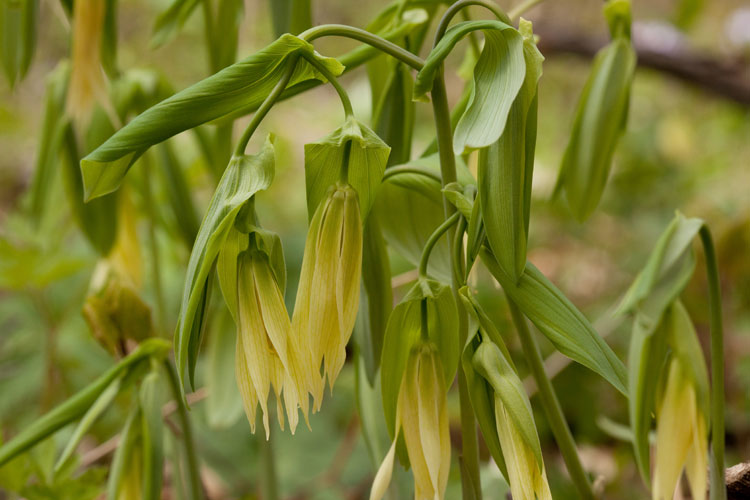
439, 364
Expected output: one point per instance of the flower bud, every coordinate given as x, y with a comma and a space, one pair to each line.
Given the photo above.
325, 309
421, 413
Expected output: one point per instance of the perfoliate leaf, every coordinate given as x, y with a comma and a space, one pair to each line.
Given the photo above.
405, 329
455, 194
352, 149
245, 176
667, 272
77, 405
216, 96
506, 167
498, 76
600, 119
559, 320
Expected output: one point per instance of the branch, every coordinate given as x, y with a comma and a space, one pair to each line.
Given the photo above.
662, 49
738, 481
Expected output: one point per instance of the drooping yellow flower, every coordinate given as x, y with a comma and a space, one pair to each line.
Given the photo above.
88, 84
422, 416
528, 480
681, 437
263, 330
328, 295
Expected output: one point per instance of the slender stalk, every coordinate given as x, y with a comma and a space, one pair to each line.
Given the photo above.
269, 487
552, 409
432, 241
345, 101
454, 9
363, 36
523, 7
266, 106
718, 485
196, 487
394, 171
469, 441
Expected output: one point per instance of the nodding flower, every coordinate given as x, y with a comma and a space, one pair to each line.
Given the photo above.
422, 420
682, 412
325, 309
263, 345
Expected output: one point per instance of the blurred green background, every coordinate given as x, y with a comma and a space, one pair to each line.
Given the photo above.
685, 149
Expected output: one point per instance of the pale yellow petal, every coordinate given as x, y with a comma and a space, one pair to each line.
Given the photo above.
245, 385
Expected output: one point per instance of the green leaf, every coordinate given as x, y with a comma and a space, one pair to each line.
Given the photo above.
152, 430
498, 76
456, 195
505, 170
223, 404
600, 120
171, 20
376, 300
393, 116
98, 219
666, 273
77, 405
53, 126
92, 414
290, 16
560, 321
410, 208
18, 34
225, 33
120, 471
404, 331
327, 159
108, 51
178, 194
245, 176
216, 96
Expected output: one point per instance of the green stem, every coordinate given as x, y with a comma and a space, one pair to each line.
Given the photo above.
266, 106
454, 9
718, 484
471, 485
345, 101
552, 409
393, 171
268, 481
196, 487
363, 36
433, 239
523, 7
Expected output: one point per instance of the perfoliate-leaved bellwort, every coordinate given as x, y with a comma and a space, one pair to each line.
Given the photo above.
263, 329
325, 309
422, 415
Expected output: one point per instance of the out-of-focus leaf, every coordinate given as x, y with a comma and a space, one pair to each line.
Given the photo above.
506, 168
600, 118
665, 275
687, 11
124, 474
204, 101
376, 300
353, 149
169, 21
92, 414
560, 321
225, 32
109, 39
18, 34
498, 76
290, 16
53, 125
152, 431
179, 195
393, 117
370, 409
78, 404
245, 176
97, 219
